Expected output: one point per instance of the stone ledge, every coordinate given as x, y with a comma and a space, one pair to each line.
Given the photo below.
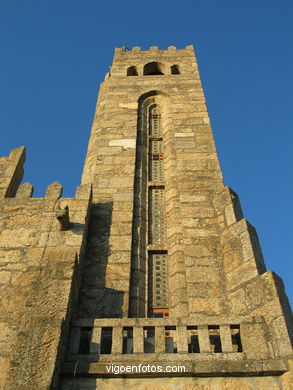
217, 366
198, 320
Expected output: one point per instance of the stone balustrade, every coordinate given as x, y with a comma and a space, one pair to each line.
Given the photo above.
203, 345
95, 337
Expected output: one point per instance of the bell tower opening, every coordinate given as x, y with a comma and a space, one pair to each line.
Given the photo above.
153, 69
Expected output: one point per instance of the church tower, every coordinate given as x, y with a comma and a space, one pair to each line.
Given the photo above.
150, 278
153, 166
174, 275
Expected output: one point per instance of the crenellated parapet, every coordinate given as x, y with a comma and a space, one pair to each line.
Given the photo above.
137, 62
42, 245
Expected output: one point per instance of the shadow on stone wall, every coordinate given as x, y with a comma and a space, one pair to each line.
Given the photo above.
77, 383
139, 225
96, 300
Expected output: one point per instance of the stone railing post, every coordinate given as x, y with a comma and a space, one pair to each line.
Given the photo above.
160, 339
117, 339
138, 339
96, 340
182, 346
204, 338
226, 339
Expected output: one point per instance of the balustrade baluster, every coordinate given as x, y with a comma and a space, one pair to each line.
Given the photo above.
138, 339
117, 339
96, 340
204, 338
226, 339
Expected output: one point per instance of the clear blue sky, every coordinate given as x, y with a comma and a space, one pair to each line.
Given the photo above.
54, 54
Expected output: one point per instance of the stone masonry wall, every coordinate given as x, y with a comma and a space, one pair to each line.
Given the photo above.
283, 382
65, 260
40, 258
192, 171
215, 265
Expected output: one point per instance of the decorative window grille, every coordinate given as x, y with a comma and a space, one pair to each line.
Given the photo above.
157, 258
158, 297
157, 234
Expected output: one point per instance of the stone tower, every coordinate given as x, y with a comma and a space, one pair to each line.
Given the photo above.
150, 278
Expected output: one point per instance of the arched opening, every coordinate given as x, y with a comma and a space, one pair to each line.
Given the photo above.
175, 69
149, 253
153, 68
132, 71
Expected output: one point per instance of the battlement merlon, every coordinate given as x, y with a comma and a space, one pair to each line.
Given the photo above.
11, 172
171, 50
171, 61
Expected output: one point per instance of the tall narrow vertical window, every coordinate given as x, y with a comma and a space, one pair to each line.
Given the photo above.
157, 245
